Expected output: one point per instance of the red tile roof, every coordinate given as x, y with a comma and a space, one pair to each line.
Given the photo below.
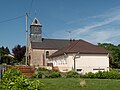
80, 46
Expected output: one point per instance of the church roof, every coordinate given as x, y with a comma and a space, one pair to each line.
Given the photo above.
80, 46
36, 22
54, 44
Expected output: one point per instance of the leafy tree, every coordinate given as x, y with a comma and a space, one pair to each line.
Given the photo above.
7, 50
114, 52
4, 51
19, 52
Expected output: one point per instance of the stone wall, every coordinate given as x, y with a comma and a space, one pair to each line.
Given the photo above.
38, 57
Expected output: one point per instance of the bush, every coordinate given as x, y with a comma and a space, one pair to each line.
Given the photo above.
89, 75
45, 73
55, 74
42, 73
13, 80
72, 74
103, 75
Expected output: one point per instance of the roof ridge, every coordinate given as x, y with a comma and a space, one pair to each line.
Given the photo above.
72, 45
56, 39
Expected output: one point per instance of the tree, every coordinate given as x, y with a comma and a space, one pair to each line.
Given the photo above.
114, 52
19, 52
3, 53
7, 50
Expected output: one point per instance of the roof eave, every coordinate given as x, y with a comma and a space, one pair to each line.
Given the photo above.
76, 52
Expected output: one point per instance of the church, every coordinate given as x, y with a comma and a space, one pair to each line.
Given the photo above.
41, 48
65, 54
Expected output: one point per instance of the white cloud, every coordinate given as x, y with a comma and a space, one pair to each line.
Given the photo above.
98, 24
100, 28
102, 36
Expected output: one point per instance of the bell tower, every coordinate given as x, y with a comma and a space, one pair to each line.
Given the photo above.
35, 31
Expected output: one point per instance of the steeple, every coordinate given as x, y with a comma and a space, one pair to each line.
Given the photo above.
36, 22
36, 31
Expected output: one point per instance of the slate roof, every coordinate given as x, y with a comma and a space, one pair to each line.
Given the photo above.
54, 44
80, 46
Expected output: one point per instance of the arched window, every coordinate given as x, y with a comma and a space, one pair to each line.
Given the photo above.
47, 54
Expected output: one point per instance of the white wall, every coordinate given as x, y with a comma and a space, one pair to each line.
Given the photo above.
61, 62
86, 62
92, 62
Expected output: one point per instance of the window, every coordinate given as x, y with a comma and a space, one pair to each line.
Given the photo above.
79, 70
36, 21
98, 69
50, 64
47, 54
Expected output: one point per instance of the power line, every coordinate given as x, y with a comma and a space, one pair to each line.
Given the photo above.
29, 17
12, 19
30, 7
45, 34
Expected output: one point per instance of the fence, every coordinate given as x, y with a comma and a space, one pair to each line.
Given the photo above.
2, 70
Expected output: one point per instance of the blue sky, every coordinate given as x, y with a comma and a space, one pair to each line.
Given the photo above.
91, 20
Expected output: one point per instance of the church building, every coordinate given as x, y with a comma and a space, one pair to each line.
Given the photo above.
41, 48
65, 54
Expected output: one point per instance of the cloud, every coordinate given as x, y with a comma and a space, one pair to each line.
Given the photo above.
103, 36
99, 28
96, 26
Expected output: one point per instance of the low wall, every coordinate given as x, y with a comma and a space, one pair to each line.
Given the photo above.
26, 70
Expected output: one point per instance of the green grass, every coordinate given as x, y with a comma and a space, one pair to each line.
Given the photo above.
74, 84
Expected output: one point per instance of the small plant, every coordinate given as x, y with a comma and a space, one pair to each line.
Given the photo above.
82, 83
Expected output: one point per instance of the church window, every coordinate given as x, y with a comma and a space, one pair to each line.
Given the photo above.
36, 21
47, 54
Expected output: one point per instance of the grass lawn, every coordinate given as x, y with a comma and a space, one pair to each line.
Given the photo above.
74, 84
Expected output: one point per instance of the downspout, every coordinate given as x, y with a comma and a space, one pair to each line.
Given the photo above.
109, 62
75, 61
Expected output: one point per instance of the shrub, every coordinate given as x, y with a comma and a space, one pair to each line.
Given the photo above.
103, 75
113, 75
13, 80
72, 74
89, 75
55, 74
100, 75
45, 73
42, 73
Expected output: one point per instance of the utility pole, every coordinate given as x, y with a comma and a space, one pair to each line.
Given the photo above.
26, 39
